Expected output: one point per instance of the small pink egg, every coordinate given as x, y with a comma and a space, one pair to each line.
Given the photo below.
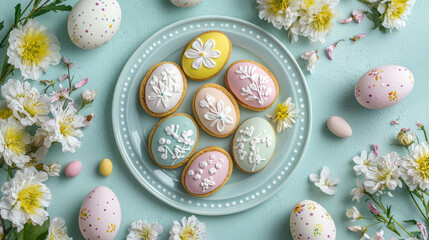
73, 169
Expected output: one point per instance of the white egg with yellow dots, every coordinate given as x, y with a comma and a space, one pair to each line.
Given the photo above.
93, 23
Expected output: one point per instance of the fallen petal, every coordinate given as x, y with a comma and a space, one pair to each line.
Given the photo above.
347, 20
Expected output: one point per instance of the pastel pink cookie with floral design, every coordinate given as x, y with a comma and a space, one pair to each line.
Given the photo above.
207, 171
384, 86
252, 84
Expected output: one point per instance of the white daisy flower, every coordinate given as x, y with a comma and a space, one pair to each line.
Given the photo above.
317, 21
364, 162
33, 49
324, 181
89, 96
203, 54
358, 192
353, 214
312, 58
395, 13
384, 175
190, 229
141, 230
284, 114
280, 13
14, 142
58, 230
25, 198
415, 167
14, 89
64, 128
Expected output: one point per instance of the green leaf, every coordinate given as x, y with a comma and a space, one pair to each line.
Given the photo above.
53, 7
391, 225
411, 221
36, 3
31, 232
18, 12
1, 25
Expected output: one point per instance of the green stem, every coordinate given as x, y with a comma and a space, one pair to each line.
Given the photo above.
417, 205
9, 71
25, 9
373, 224
368, 3
426, 136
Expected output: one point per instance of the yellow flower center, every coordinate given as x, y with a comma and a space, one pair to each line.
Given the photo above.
5, 113
384, 173
189, 233
423, 165
323, 19
33, 106
398, 9
279, 5
282, 111
34, 47
145, 234
309, 3
30, 198
66, 126
367, 163
14, 139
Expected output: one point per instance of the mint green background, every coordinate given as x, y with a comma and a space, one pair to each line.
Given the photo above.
331, 89
180, 121
260, 125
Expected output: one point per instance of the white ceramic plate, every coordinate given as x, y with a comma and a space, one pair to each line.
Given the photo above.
132, 124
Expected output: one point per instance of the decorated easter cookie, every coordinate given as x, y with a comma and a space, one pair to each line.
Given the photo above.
216, 110
163, 89
206, 55
253, 145
207, 171
173, 140
253, 85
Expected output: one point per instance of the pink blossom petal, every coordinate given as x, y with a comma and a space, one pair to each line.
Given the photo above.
358, 15
63, 77
373, 209
394, 122
88, 120
347, 20
81, 83
331, 48
64, 60
422, 229
357, 37
376, 149
404, 130
71, 65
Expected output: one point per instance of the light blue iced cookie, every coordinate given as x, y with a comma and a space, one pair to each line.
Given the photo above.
173, 140
253, 145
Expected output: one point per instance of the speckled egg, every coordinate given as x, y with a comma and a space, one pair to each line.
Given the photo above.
100, 215
310, 221
384, 86
186, 3
92, 23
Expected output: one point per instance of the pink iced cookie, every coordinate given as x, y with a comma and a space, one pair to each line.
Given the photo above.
253, 85
207, 171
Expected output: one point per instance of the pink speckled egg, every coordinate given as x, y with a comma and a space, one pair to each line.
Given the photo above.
100, 215
92, 23
73, 169
310, 221
384, 86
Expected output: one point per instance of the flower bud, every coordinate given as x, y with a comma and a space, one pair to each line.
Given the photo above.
53, 169
405, 139
373, 209
89, 96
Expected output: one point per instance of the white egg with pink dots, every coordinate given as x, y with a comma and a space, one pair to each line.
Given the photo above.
93, 23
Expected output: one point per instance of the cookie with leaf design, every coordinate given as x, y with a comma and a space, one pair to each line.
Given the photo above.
216, 110
163, 89
207, 171
253, 145
206, 55
173, 140
252, 84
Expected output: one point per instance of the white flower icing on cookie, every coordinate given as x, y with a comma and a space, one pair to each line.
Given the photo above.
203, 54
207, 182
219, 114
164, 88
178, 151
258, 88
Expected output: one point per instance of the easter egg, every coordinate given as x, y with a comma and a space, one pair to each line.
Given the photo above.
206, 55
186, 3
106, 167
163, 89
384, 86
73, 169
207, 171
253, 145
100, 215
216, 110
173, 140
92, 23
310, 221
253, 85
339, 127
